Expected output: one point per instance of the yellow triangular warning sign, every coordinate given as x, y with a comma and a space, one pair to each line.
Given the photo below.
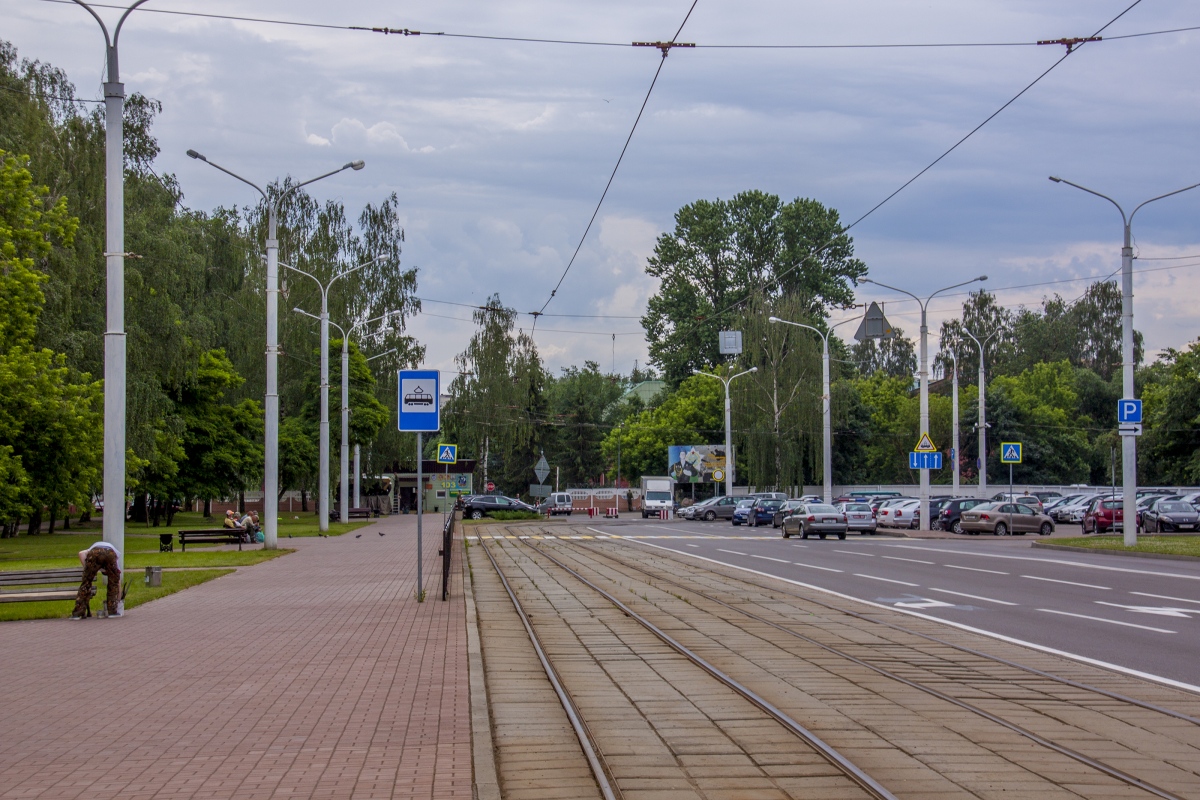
925, 445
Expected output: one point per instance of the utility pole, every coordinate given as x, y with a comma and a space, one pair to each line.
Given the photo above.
981, 426
729, 460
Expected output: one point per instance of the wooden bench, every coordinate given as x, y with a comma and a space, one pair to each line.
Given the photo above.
211, 536
353, 513
35, 580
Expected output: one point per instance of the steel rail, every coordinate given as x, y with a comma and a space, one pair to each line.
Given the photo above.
586, 742
1015, 728
972, 651
852, 771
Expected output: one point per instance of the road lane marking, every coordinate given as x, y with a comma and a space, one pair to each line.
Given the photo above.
975, 597
913, 560
855, 553
885, 580
1165, 597
735, 552
1102, 619
768, 558
689, 544
1068, 583
975, 569
814, 566
1049, 561
1000, 637
1160, 611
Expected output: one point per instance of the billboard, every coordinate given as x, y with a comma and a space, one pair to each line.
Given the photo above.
699, 463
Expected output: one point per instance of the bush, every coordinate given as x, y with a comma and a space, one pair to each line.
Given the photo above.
510, 516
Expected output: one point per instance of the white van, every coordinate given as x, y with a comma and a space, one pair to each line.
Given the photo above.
557, 503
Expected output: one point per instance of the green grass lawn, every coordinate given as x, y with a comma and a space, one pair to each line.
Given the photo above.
139, 593
1166, 545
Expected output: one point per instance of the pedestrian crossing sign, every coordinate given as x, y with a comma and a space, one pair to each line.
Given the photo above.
1010, 453
447, 454
925, 445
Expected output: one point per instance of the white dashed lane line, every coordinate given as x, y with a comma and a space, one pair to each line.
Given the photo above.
768, 558
975, 569
1069, 583
1102, 619
855, 553
974, 597
913, 560
1165, 597
885, 580
814, 566
733, 552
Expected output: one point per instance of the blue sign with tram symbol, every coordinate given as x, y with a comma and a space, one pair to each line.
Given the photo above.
924, 460
419, 409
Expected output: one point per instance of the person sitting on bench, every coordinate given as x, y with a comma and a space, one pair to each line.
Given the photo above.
249, 524
100, 556
231, 520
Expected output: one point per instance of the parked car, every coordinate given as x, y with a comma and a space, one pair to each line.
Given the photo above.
950, 515
878, 503
770, 496
690, 512
1046, 497
1074, 511
1170, 515
859, 516
557, 503
898, 514
1004, 519
480, 505
763, 512
1104, 514
1017, 497
787, 508
1058, 503
741, 512
718, 508
817, 518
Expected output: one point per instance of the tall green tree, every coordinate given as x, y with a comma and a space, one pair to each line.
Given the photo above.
723, 251
579, 402
1170, 450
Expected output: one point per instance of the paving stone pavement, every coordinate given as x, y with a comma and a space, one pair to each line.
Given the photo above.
315, 675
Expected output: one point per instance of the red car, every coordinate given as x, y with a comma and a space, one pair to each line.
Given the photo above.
1104, 514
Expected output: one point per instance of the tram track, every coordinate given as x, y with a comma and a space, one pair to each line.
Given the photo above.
856, 783
1062, 749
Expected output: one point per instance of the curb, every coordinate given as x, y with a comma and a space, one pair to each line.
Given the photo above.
1089, 550
483, 752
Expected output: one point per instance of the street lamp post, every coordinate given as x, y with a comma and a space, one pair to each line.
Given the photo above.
1128, 441
358, 452
954, 405
271, 406
924, 376
981, 426
114, 332
323, 481
729, 460
827, 457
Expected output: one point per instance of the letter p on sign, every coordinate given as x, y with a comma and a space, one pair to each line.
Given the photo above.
1129, 411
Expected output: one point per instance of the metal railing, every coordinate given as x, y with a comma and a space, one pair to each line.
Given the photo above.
447, 554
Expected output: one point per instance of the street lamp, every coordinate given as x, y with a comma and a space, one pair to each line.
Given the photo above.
358, 453
114, 254
1128, 440
827, 459
982, 425
729, 461
924, 375
271, 406
323, 483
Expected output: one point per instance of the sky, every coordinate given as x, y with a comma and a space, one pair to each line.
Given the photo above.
499, 150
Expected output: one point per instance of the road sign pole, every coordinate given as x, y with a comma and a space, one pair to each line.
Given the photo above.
420, 491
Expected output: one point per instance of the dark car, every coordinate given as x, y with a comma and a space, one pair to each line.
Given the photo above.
817, 518
950, 516
763, 512
859, 516
480, 505
1170, 515
787, 508
741, 512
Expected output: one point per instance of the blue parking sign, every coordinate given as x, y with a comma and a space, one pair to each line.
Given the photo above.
419, 409
1129, 411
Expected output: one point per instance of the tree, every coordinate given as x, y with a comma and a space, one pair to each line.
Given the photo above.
894, 357
1170, 450
990, 322
578, 402
299, 457
221, 441
1039, 408
692, 414
723, 251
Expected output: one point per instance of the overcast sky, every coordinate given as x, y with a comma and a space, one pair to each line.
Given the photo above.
499, 150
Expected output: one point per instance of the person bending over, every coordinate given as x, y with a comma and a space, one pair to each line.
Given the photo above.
100, 556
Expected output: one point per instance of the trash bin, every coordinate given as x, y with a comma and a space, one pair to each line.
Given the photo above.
164, 543
154, 576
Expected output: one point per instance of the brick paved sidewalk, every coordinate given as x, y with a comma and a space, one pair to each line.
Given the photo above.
312, 675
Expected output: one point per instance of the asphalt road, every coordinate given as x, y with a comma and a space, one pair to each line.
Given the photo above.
1140, 615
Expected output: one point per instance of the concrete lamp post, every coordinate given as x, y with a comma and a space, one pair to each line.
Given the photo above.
271, 406
114, 255
323, 481
924, 375
344, 492
827, 457
729, 460
358, 453
981, 425
1128, 440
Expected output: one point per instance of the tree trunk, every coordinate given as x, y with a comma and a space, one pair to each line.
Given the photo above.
303, 501
86, 515
138, 512
208, 508
170, 513
67, 519
156, 510
53, 516
241, 504
35, 523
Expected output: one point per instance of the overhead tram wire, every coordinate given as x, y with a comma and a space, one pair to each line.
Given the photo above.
1071, 49
590, 43
666, 48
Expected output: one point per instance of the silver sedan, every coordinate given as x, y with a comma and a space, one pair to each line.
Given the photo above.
815, 518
